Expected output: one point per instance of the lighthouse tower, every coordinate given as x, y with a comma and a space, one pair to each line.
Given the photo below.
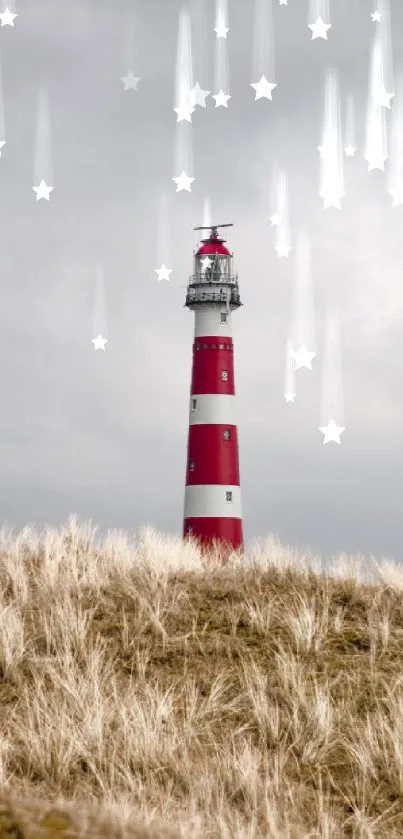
212, 495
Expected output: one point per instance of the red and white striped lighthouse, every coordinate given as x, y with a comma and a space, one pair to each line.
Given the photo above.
213, 496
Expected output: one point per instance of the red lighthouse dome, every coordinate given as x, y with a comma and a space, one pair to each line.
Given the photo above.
212, 245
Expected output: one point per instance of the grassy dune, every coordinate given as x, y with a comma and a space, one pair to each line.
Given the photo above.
149, 691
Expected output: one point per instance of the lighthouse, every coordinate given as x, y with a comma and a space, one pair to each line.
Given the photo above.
213, 512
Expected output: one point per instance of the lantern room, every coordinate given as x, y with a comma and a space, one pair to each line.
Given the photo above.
213, 280
213, 261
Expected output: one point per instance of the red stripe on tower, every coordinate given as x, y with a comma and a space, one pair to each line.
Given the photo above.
212, 494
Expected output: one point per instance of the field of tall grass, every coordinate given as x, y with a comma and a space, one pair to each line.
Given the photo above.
149, 690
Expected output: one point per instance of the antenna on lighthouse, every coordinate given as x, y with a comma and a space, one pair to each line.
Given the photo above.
213, 228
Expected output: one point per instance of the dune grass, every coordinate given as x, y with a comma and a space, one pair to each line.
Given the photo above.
151, 690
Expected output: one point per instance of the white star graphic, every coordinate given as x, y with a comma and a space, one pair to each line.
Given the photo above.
319, 29
382, 99
99, 342
376, 16
274, 219
397, 195
303, 358
197, 96
7, 18
184, 113
350, 151
377, 162
221, 30
283, 2
183, 182
282, 250
263, 88
332, 201
206, 262
130, 81
163, 272
223, 99
322, 150
2, 143
289, 396
43, 191
332, 432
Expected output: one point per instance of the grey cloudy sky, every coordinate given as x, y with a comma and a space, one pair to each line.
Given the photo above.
104, 435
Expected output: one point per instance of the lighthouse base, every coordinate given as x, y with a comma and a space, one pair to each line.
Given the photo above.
226, 532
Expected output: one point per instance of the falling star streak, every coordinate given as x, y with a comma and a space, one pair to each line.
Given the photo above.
381, 69
221, 19
332, 410
164, 249
221, 73
200, 41
302, 318
382, 33
2, 124
99, 323
269, 199
43, 170
184, 74
130, 79
282, 245
263, 69
319, 19
350, 147
331, 159
376, 145
183, 150
289, 378
395, 166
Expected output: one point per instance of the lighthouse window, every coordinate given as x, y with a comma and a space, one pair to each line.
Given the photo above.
223, 317
228, 496
194, 404
224, 375
227, 434
221, 346
205, 346
191, 466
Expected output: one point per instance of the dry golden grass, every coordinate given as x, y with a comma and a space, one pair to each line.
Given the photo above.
149, 691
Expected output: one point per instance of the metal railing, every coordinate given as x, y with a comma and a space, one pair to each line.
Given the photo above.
215, 277
211, 296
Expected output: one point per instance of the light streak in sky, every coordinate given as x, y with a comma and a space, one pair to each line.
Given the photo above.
302, 318
221, 21
130, 81
164, 248
184, 71
43, 170
395, 168
289, 378
331, 161
99, 324
332, 407
263, 59
319, 19
283, 246
350, 147
376, 144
